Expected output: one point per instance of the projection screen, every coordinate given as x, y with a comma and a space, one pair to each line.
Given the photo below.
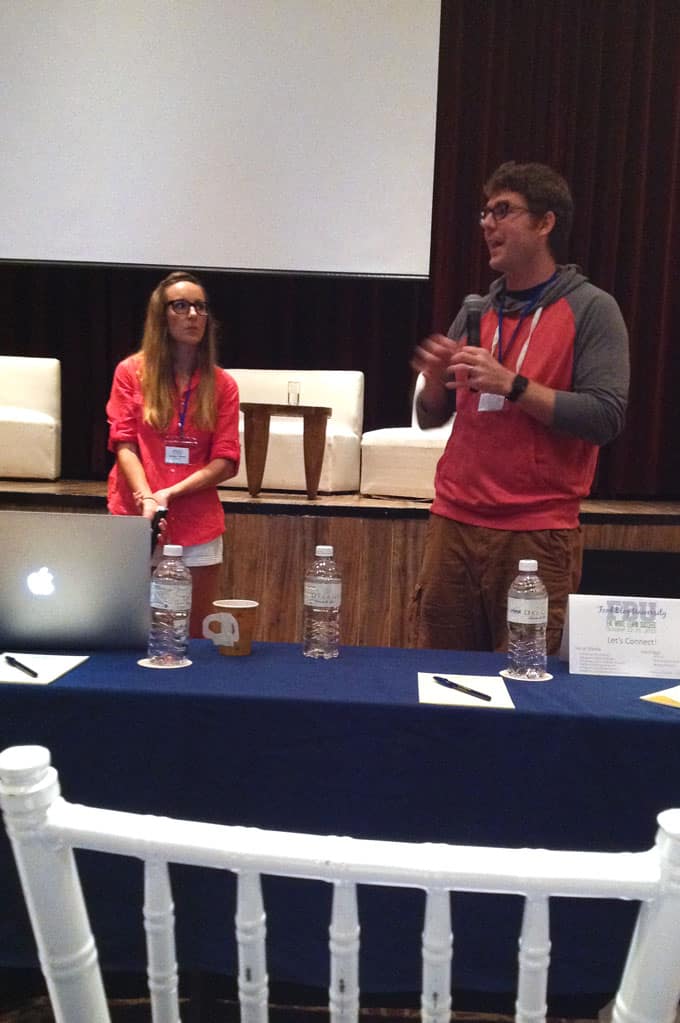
291, 135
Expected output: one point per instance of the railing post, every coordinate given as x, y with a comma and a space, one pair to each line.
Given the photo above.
435, 999
251, 930
159, 924
650, 986
344, 940
534, 960
49, 878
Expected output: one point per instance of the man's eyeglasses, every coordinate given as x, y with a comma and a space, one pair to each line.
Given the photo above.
500, 210
181, 306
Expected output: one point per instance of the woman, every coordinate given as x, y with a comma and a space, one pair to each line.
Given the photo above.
173, 417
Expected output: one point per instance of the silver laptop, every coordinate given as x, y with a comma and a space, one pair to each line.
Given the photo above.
72, 581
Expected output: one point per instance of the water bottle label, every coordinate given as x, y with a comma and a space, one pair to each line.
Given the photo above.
323, 593
168, 596
528, 612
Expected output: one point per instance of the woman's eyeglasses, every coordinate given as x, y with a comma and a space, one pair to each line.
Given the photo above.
181, 306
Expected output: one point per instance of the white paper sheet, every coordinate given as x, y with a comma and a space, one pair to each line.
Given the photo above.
48, 667
430, 691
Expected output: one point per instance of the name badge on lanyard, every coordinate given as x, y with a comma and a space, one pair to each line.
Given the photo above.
178, 447
178, 450
496, 402
490, 402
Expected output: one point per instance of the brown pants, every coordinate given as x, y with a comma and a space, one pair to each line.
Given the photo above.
460, 601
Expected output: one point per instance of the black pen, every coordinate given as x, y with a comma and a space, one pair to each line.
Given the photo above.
460, 688
13, 663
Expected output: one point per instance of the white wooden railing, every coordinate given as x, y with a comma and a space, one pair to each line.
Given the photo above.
44, 829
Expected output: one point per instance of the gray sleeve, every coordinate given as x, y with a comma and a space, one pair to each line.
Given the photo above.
595, 409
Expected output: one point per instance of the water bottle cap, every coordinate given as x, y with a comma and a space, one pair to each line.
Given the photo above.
528, 565
323, 551
173, 550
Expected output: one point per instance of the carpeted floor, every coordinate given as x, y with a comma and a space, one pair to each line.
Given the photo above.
37, 1010
205, 999
137, 1010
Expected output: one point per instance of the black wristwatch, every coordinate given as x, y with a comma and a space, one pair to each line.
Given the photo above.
519, 386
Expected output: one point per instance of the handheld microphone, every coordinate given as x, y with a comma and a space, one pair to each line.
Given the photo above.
473, 305
161, 513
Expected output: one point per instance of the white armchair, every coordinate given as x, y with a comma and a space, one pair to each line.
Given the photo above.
30, 418
340, 390
401, 461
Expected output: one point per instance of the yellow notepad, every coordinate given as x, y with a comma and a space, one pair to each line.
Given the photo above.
669, 697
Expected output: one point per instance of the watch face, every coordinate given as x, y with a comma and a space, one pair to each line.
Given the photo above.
519, 386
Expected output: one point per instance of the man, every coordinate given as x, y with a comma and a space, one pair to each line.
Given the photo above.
546, 387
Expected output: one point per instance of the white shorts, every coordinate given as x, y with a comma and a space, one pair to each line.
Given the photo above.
209, 553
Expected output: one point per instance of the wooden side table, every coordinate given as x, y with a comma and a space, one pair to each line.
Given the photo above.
256, 417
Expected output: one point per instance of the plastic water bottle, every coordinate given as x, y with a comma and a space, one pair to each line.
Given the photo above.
170, 609
527, 621
323, 593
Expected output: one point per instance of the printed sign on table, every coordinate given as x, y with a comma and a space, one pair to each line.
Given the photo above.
624, 636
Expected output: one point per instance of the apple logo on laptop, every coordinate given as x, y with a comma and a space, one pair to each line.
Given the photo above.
41, 583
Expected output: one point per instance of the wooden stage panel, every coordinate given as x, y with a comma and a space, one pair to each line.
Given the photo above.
408, 540
644, 536
378, 544
370, 620
265, 559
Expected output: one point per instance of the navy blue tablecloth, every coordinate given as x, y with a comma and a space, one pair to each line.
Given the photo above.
343, 747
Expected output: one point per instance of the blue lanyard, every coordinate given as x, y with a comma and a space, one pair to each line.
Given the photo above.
523, 316
534, 295
183, 411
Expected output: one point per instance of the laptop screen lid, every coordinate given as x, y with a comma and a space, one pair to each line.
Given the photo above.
73, 581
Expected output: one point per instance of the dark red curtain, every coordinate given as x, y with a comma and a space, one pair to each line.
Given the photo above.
589, 86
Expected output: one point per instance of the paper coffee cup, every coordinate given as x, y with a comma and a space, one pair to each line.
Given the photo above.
231, 626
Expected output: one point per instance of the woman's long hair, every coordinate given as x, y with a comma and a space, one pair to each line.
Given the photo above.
157, 369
